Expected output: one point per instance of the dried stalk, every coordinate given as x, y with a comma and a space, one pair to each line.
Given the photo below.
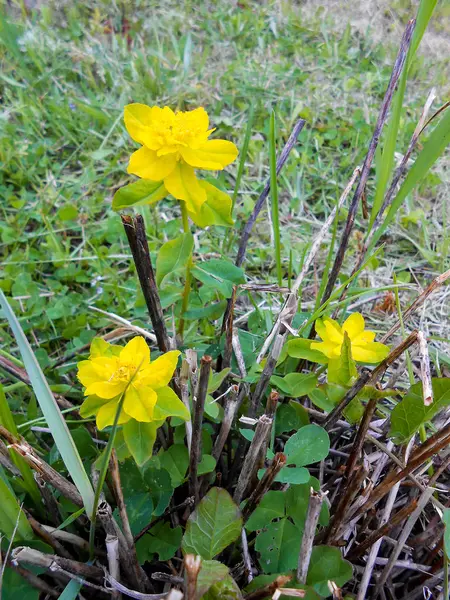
192, 565
112, 549
264, 484
132, 593
437, 282
46, 536
48, 474
128, 536
199, 408
425, 371
230, 410
184, 392
385, 529
246, 556
407, 529
188, 502
365, 171
312, 518
49, 500
269, 590
250, 462
69, 538
360, 437
368, 377
137, 239
293, 296
30, 556
35, 581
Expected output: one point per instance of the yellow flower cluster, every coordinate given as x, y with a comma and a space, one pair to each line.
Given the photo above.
115, 374
363, 347
172, 146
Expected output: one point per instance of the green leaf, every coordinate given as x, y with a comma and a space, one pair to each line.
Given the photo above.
219, 273
71, 590
51, 411
327, 565
176, 461
212, 408
295, 385
160, 487
214, 525
290, 417
15, 587
169, 405
216, 380
173, 256
140, 438
260, 581
6, 419
292, 475
139, 510
11, 514
271, 507
278, 546
309, 445
297, 501
139, 193
161, 540
432, 149
206, 465
212, 311
225, 589
301, 348
211, 572
411, 412
216, 210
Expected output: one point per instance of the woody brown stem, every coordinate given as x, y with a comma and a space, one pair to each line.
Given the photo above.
264, 484
137, 240
199, 408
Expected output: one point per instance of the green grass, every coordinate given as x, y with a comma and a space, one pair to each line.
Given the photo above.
66, 75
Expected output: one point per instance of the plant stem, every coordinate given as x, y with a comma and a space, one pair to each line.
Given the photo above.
188, 277
274, 194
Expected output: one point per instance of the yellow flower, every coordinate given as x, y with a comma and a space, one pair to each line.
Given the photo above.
113, 373
173, 145
363, 347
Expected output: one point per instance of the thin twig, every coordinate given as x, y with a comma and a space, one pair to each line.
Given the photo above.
246, 556
425, 371
265, 483
312, 518
112, 549
250, 462
365, 171
199, 408
137, 239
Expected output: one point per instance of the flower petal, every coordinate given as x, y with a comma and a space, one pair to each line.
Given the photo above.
139, 403
160, 371
212, 155
354, 325
327, 348
107, 414
320, 328
333, 331
363, 338
136, 352
105, 389
373, 352
138, 118
184, 185
147, 164
90, 372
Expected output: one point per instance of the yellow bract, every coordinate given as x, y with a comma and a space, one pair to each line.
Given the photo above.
115, 371
173, 145
363, 347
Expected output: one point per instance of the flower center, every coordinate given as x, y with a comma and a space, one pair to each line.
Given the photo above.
125, 372
173, 133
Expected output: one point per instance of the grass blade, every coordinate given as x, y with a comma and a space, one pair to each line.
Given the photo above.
274, 196
432, 149
243, 153
386, 163
11, 515
50, 410
6, 419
